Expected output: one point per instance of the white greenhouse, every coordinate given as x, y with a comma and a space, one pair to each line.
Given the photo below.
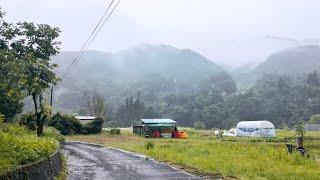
256, 129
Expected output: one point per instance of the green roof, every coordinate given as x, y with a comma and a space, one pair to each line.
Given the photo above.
158, 121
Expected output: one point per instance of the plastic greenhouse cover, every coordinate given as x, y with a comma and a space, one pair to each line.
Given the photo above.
256, 129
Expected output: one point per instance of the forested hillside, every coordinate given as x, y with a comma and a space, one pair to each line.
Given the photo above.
304, 59
158, 81
294, 61
151, 69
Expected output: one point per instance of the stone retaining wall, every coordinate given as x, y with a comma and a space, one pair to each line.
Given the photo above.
45, 169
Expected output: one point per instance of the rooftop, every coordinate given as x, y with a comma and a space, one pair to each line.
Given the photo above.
158, 121
85, 117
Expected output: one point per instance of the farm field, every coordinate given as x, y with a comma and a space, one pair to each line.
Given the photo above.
229, 157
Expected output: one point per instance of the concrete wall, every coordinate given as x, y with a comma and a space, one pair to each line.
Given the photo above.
45, 169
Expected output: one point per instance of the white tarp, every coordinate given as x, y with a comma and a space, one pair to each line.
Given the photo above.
256, 129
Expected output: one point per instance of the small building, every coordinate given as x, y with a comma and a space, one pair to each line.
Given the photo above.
85, 119
312, 127
155, 127
255, 129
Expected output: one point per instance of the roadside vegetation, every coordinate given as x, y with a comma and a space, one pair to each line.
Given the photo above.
20, 146
232, 157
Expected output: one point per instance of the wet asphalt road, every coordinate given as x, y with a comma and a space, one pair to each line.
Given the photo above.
86, 161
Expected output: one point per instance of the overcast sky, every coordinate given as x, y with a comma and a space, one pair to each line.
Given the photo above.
232, 32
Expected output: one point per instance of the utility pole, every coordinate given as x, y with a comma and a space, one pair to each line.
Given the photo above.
51, 97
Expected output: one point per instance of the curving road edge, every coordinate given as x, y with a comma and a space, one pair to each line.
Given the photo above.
90, 161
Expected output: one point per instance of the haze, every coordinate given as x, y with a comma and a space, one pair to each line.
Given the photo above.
228, 32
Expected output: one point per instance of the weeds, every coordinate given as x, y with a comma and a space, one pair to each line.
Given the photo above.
149, 145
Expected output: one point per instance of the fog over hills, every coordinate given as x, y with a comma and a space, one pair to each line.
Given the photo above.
303, 59
157, 68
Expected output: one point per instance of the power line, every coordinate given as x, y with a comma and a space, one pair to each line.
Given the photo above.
93, 35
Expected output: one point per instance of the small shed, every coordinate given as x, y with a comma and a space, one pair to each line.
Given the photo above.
85, 119
155, 127
312, 127
256, 129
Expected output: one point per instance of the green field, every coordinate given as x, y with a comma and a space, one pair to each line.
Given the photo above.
232, 157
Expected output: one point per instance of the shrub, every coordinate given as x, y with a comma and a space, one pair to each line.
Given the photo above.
149, 145
115, 131
199, 125
93, 127
29, 120
66, 124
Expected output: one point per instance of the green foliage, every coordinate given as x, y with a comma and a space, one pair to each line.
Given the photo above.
69, 125
93, 127
199, 125
132, 111
19, 146
66, 124
29, 120
299, 128
2, 118
149, 145
11, 94
26, 68
315, 119
115, 131
220, 81
53, 133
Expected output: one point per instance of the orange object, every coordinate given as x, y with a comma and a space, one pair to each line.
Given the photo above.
180, 134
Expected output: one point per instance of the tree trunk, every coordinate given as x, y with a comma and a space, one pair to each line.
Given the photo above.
39, 118
37, 114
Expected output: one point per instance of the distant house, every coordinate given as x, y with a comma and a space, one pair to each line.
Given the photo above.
85, 119
312, 127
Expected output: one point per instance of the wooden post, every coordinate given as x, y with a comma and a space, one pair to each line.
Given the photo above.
299, 142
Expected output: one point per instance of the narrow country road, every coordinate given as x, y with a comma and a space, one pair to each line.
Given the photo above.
86, 161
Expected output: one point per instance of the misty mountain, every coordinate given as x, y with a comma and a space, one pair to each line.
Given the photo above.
147, 68
297, 60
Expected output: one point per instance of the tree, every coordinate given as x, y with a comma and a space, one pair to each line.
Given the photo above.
93, 103
315, 119
32, 46
222, 82
26, 49
11, 73
313, 79
199, 125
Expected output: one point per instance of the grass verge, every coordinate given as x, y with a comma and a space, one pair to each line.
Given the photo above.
202, 153
18, 146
